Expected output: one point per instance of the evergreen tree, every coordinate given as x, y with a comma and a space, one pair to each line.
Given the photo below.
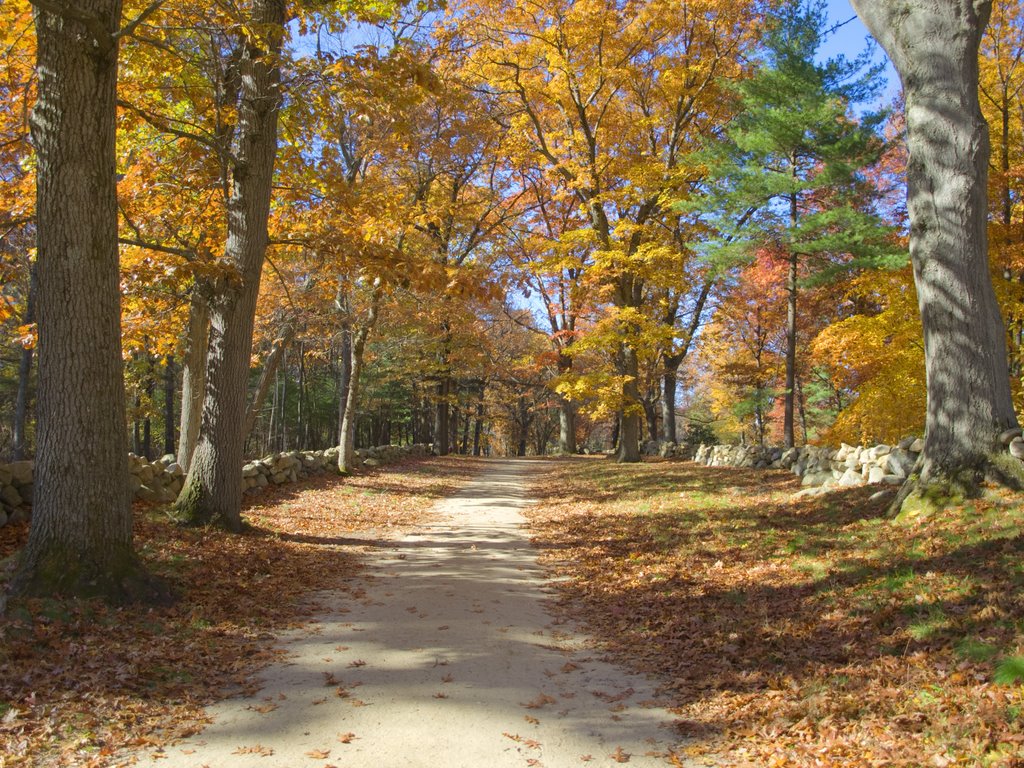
789, 169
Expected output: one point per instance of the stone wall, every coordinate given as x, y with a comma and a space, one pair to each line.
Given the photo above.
160, 481
823, 468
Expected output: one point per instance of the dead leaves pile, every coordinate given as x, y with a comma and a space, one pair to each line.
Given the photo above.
797, 633
80, 681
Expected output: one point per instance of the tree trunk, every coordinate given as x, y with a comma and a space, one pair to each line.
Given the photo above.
80, 542
193, 378
20, 431
269, 371
344, 374
629, 432
169, 388
147, 422
441, 415
566, 427
347, 447
934, 47
478, 422
651, 417
668, 405
213, 486
788, 438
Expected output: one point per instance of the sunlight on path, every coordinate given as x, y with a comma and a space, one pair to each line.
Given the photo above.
447, 659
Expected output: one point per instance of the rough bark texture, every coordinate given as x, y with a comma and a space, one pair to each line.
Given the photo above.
81, 537
193, 379
213, 487
934, 47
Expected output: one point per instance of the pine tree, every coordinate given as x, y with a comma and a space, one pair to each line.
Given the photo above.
790, 167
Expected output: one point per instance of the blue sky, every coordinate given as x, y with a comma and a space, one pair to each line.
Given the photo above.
850, 40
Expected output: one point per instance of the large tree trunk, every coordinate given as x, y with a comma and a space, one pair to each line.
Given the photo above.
81, 537
934, 47
193, 378
213, 487
20, 431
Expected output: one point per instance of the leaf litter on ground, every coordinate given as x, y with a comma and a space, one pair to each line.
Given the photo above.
797, 632
82, 681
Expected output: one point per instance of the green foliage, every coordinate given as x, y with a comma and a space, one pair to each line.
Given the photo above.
790, 167
698, 433
1010, 671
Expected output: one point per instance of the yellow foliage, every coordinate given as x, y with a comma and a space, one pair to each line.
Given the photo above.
878, 356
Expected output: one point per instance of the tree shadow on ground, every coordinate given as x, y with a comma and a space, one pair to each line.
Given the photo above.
759, 611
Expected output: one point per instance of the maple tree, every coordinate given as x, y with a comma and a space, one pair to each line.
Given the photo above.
608, 100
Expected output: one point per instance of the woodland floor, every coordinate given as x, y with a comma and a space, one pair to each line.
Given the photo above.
809, 632
79, 681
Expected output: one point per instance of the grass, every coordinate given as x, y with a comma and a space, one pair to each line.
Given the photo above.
798, 632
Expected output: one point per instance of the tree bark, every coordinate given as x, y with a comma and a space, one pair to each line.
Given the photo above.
347, 448
629, 432
284, 338
668, 405
478, 422
20, 431
213, 487
788, 432
80, 542
934, 47
441, 415
193, 378
566, 408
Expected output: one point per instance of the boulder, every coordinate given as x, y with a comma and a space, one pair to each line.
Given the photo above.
900, 463
875, 475
917, 446
1016, 448
151, 495
816, 478
19, 515
851, 478
21, 472
371, 462
9, 495
1007, 437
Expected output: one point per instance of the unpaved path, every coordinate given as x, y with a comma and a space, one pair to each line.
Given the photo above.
447, 659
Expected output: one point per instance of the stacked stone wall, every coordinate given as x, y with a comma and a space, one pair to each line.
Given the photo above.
160, 481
